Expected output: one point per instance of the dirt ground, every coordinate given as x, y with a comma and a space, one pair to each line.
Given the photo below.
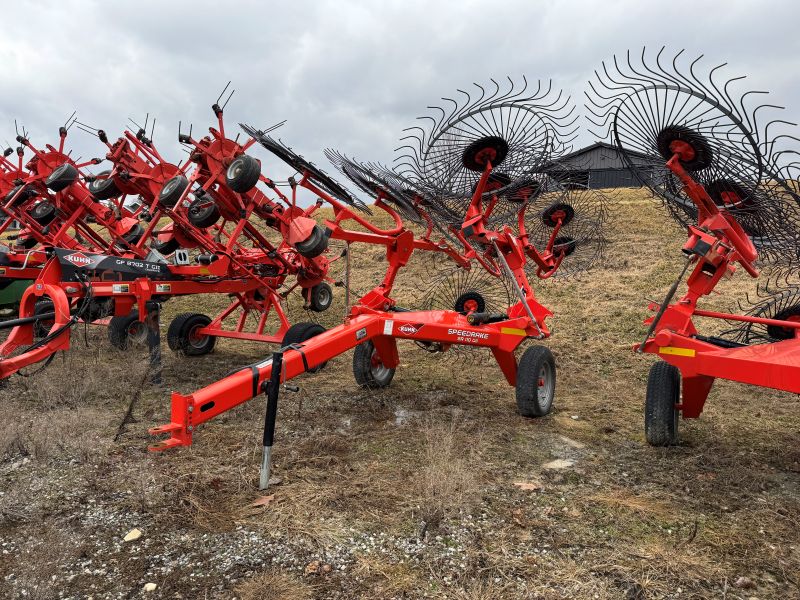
434, 487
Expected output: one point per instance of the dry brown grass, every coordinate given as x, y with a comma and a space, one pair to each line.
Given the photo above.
274, 585
448, 480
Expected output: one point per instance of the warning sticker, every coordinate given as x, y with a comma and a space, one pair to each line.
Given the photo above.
387, 327
162, 288
120, 288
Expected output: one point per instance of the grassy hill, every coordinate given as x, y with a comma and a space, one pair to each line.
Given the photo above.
434, 487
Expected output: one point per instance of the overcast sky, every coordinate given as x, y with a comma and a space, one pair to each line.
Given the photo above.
348, 75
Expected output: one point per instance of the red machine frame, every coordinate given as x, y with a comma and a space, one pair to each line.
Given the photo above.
376, 318
231, 268
714, 244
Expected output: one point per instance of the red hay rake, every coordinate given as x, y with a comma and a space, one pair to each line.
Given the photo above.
469, 177
722, 181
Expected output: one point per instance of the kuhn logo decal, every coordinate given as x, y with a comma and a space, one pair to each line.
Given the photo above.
410, 329
79, 259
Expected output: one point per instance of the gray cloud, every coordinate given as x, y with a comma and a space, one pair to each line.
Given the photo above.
348, 75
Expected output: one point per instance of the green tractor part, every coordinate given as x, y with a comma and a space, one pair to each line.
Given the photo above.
10, 294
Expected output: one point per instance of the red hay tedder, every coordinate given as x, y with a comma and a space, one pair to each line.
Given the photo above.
231, 253
722, 181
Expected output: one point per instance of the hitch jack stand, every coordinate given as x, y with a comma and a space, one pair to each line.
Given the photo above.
272, 389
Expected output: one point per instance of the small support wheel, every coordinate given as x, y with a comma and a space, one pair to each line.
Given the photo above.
43, 212
62, 177
320, 297
469, 302
25, 242
184, 337
203, 212
243, 173
127, 331
22, 193
302, 332
165, 247
132, 236
660, 411
103, 187
172, 191
315, 245
368, 369
536, 382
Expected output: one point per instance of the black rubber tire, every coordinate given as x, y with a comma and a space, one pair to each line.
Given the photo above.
320, 297
366, 373
203, 212
172, 191
315, 245
536, 372
180, 332
165, 248
462, 300
660, 413
302, 332
42, 328
134, 234
43, 212
99, 308
105, 188
26, 194
127, 332
25, 243
62, 177
243, 173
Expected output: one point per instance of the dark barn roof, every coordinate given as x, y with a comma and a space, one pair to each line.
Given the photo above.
599, 155
599, 166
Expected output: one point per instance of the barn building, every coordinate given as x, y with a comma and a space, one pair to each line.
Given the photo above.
598, 166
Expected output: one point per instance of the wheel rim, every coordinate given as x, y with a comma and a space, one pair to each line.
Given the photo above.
41, 210
378, 370
471, 305
200, 208
324, 297
195, 339
546, 383
235, 169
137, 332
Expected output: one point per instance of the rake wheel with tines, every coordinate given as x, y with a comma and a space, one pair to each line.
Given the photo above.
656, 107
381, 183
775, 299
699, 147
509, 129
579, 213
305, 168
